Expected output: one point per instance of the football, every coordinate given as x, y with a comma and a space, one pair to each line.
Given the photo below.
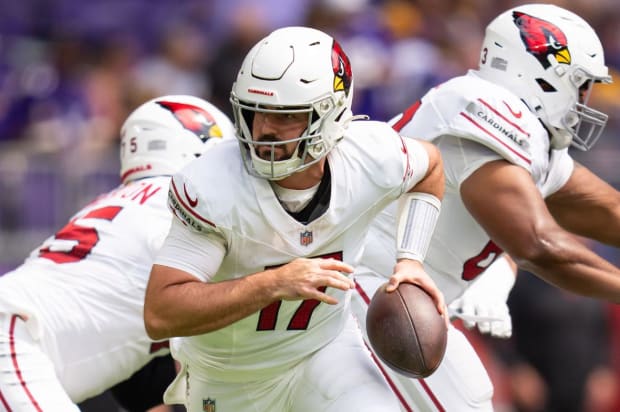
405, 330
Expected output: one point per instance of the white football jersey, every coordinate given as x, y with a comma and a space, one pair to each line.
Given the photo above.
369, 169
491, 123
83, 289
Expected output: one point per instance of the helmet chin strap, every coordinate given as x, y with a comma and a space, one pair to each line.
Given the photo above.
559, 138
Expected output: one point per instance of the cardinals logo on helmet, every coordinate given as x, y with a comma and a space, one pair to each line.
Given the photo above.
342, 69
542, 39
193, 118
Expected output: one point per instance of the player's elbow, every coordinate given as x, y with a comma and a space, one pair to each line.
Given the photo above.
434, 180
155, 327
154, 323
543, 251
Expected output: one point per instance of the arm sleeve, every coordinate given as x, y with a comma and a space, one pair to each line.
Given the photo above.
562, 166
199, 254
417, 163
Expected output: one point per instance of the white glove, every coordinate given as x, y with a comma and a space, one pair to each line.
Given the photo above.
484, 302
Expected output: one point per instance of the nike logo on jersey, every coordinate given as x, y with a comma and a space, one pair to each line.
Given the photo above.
192, 202
185, 212
498, 124
512, 112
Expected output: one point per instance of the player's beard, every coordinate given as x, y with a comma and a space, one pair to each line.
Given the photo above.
280, 151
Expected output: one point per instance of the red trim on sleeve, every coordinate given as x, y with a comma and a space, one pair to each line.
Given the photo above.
407, 116
4, 403
18, 371
188, 208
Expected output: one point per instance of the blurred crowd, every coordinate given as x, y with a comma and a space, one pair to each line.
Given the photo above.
70, 72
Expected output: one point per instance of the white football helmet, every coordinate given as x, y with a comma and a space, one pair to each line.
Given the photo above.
293, 70
164, 134
550, 58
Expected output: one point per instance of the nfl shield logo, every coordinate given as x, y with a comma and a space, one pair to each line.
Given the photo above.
208, 405
305, 238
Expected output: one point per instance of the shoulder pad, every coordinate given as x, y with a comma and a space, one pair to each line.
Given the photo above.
472, 108
373, 145
499, 126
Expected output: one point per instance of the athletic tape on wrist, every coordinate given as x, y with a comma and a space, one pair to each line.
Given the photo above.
417, 216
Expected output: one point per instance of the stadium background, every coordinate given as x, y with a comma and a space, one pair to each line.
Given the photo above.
70, 72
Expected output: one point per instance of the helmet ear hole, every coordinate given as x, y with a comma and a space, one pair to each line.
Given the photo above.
571, 119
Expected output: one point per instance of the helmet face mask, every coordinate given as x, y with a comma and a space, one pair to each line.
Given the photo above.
164, 134
273, 169
550, 58
293, 70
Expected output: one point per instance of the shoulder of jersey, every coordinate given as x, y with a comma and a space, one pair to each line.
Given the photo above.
373, 146
216, 160
203, 192
476, 109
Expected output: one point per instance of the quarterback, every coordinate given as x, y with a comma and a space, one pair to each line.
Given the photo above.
255, 273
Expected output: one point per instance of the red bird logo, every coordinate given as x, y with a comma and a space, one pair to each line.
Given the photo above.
193, 118
542, 38
342, 69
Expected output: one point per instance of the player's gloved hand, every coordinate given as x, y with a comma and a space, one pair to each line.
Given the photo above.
491, 317
483, 304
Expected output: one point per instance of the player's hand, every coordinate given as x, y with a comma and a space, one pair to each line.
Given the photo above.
309, 278
491, 316
483, 304
412, 271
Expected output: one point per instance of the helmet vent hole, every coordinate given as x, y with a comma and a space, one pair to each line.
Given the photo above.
340, 115
545, 86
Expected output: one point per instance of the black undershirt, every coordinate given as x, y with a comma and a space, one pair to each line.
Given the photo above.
320, 201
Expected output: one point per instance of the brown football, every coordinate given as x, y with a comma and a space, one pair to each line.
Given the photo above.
405, 330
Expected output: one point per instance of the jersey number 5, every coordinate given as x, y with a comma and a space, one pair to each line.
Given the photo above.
84, 238
301, 318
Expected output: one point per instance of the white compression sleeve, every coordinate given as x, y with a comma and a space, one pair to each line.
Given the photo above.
417, 216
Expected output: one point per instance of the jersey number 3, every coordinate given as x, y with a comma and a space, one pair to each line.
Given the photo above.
82, 238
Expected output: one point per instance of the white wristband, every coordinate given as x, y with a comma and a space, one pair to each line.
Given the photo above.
417, 216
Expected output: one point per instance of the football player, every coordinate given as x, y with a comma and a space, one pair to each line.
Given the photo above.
71, 316
255, 273
511, 186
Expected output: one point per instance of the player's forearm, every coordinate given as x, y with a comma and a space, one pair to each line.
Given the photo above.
193, 307
605, 225
600, 222
568, 264
588, 206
